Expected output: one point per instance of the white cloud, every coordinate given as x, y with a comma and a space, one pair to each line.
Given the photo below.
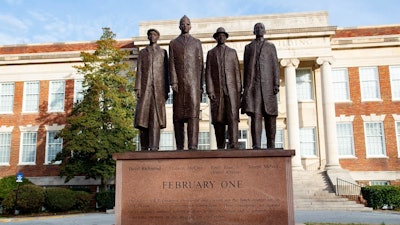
12, 23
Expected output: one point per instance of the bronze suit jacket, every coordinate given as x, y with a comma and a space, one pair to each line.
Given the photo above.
223, 75
153, 85
261, 74
186, 70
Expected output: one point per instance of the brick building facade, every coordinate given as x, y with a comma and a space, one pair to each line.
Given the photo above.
340, 84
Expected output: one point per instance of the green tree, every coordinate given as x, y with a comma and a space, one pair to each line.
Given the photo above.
102, 123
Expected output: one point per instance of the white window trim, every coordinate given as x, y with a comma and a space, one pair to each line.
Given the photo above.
9, 150
77, 92
347, 85
27, 130
207, 145
50, 128
379, 98
373, 118
391, 82
169, 148
347, 119
315, 144
49, 97
6, 129
396, 118
312, 85
12, 111
46, 162
24, 98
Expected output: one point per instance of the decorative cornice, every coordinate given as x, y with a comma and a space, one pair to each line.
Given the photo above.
343, 118
373, 118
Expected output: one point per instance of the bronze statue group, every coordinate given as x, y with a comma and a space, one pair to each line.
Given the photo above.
183, 70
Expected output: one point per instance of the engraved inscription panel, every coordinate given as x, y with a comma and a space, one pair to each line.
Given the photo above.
206, 191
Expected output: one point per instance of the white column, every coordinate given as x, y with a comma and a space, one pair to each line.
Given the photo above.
328, 106
292, 110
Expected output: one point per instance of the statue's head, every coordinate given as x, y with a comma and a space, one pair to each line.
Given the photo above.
259, 29
153, 35
184, 24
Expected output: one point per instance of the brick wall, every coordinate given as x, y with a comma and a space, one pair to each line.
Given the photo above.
357, 108
41, 119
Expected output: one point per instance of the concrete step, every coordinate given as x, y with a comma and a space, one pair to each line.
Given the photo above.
312, 190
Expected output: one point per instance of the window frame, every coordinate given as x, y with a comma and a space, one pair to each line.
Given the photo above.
6, 146
395, 89
163, 140
350, 136
23, 151
397, 126
279, 135
363, 88
25, 97
3, 96
311, 85
204, 135
367, 143
345, 82
314, 155
51, 99
48, 148
78, 92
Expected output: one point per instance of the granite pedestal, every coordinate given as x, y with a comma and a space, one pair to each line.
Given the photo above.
224, 187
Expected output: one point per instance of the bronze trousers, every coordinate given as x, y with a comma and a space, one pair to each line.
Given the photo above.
192, 133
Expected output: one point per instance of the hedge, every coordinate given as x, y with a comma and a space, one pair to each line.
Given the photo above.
59, 199
105, 199
7, 184
30, 199
82, 200
378, 196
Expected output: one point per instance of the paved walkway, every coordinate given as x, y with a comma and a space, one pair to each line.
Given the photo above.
301, 217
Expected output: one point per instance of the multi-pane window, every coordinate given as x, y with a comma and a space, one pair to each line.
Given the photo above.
204, 140
53, 145
6, 97
345, 139
278, 138
78, 95
56, 96
340, 81
166, 141
28, 147
379, 182
170, 97
395, 82
308, 142
31, 96
398, 137
204, 95
304, 85
5, 146
369, 78
375, 139
242, 139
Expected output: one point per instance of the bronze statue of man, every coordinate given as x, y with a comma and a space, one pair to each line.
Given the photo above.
261, 85
151, 87
186, 79
224, 85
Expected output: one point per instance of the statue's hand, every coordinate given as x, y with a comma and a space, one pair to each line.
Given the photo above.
137, 94
276, 90
212, 97
174, 87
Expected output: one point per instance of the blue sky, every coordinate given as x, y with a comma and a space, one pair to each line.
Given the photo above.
46, 21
